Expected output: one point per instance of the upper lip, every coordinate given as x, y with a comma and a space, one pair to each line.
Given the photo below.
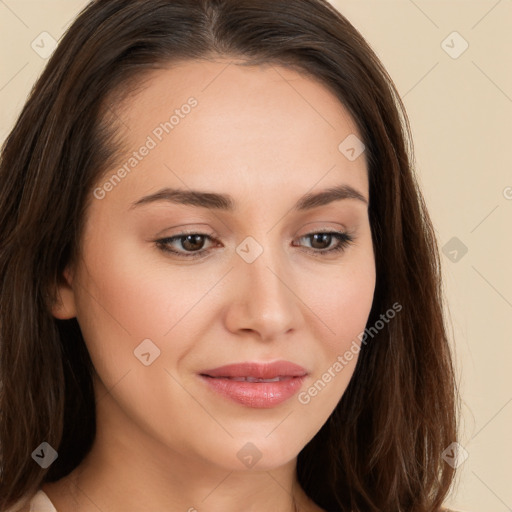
260, 370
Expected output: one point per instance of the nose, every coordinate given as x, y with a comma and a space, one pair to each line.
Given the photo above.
264, 301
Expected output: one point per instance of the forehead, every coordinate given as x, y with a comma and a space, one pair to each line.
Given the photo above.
214, 125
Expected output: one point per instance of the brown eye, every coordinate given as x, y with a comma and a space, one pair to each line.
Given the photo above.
192, 242
187, 245
321, 240
321, 243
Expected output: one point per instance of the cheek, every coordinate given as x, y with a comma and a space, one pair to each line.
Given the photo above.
124, 299
348, 306
342, 305
344, 312
340, 311
137, 287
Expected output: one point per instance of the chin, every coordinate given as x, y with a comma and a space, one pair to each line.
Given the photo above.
258, 452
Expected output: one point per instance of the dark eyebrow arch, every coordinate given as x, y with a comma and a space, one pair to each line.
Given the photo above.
226, 202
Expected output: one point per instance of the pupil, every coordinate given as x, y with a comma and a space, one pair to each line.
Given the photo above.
323, 237
193, 239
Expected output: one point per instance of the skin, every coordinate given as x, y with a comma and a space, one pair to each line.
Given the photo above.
266, 135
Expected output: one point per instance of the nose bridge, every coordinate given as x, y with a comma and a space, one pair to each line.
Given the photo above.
263, 272
266, 302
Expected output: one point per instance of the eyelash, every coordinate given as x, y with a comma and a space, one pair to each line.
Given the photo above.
344, 240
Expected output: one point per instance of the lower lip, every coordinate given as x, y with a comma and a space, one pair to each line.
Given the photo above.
263, 395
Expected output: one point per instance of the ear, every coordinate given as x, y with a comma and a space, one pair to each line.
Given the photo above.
64, 308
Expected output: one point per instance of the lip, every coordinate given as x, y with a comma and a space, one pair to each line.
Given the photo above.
256, 394
263, 370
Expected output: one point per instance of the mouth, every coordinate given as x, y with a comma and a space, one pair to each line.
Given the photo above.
256, 370
254, 384
253, 379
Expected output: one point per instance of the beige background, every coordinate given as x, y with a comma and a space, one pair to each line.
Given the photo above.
461, 115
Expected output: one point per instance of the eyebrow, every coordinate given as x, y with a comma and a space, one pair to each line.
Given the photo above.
226, 202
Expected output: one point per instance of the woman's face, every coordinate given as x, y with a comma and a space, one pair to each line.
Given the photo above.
253, 281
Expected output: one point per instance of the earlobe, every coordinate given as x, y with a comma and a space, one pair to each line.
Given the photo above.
64, 307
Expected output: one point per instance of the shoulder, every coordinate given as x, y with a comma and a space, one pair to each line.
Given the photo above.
41, 503
38, 503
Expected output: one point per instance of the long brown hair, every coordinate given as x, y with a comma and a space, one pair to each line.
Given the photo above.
381, 449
